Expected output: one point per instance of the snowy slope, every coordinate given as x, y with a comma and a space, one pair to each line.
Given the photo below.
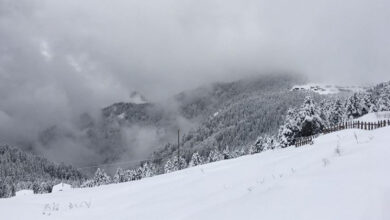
375, 116
311, 182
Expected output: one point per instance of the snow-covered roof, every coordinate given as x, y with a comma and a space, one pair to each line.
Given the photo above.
61, 187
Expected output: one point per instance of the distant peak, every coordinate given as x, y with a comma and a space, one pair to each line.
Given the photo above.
137, 98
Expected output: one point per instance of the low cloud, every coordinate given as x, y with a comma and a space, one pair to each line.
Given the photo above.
59, 59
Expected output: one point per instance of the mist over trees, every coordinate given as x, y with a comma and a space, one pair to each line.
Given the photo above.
247, 119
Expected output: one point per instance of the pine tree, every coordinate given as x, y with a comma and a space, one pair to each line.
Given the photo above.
101, 178
310, 120
196, 160
119, 176
226, 153
353, 107
337, 112
215, 155
290, 129
383, 103
130, 175
173, 164
146, 170
169, 166
262, 143
325, 109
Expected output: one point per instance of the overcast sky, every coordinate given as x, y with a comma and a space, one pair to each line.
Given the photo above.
59, 58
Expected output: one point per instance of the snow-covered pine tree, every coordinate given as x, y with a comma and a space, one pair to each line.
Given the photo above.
172, 164
87, 184
146, 170
325, 109
353, 107
262, 143
257, 147
130, 175
290, 129
383, 103
169, 166
227, 153
215, 155
119, 176
337, 113
101, 178
310, 120
196, 160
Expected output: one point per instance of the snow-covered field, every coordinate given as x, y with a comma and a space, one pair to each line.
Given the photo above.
339, 177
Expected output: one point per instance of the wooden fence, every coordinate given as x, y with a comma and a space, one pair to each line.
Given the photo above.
342, 126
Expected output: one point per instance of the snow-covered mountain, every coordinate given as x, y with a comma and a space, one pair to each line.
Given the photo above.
343, 175
246, 109
325, 89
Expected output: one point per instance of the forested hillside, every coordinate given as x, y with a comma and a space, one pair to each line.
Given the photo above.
297, 114
210, 117
20, 170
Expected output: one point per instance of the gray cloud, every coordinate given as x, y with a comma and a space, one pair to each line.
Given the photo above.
61, 58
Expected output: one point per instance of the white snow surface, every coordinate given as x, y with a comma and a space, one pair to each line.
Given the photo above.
61, 187
24, 192
310, 182
375, 116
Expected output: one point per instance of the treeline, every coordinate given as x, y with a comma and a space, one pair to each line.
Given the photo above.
20, 170
149, 169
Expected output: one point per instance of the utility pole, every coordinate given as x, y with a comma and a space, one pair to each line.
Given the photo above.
178, 149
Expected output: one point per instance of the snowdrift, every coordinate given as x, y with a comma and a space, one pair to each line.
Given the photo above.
344, 175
